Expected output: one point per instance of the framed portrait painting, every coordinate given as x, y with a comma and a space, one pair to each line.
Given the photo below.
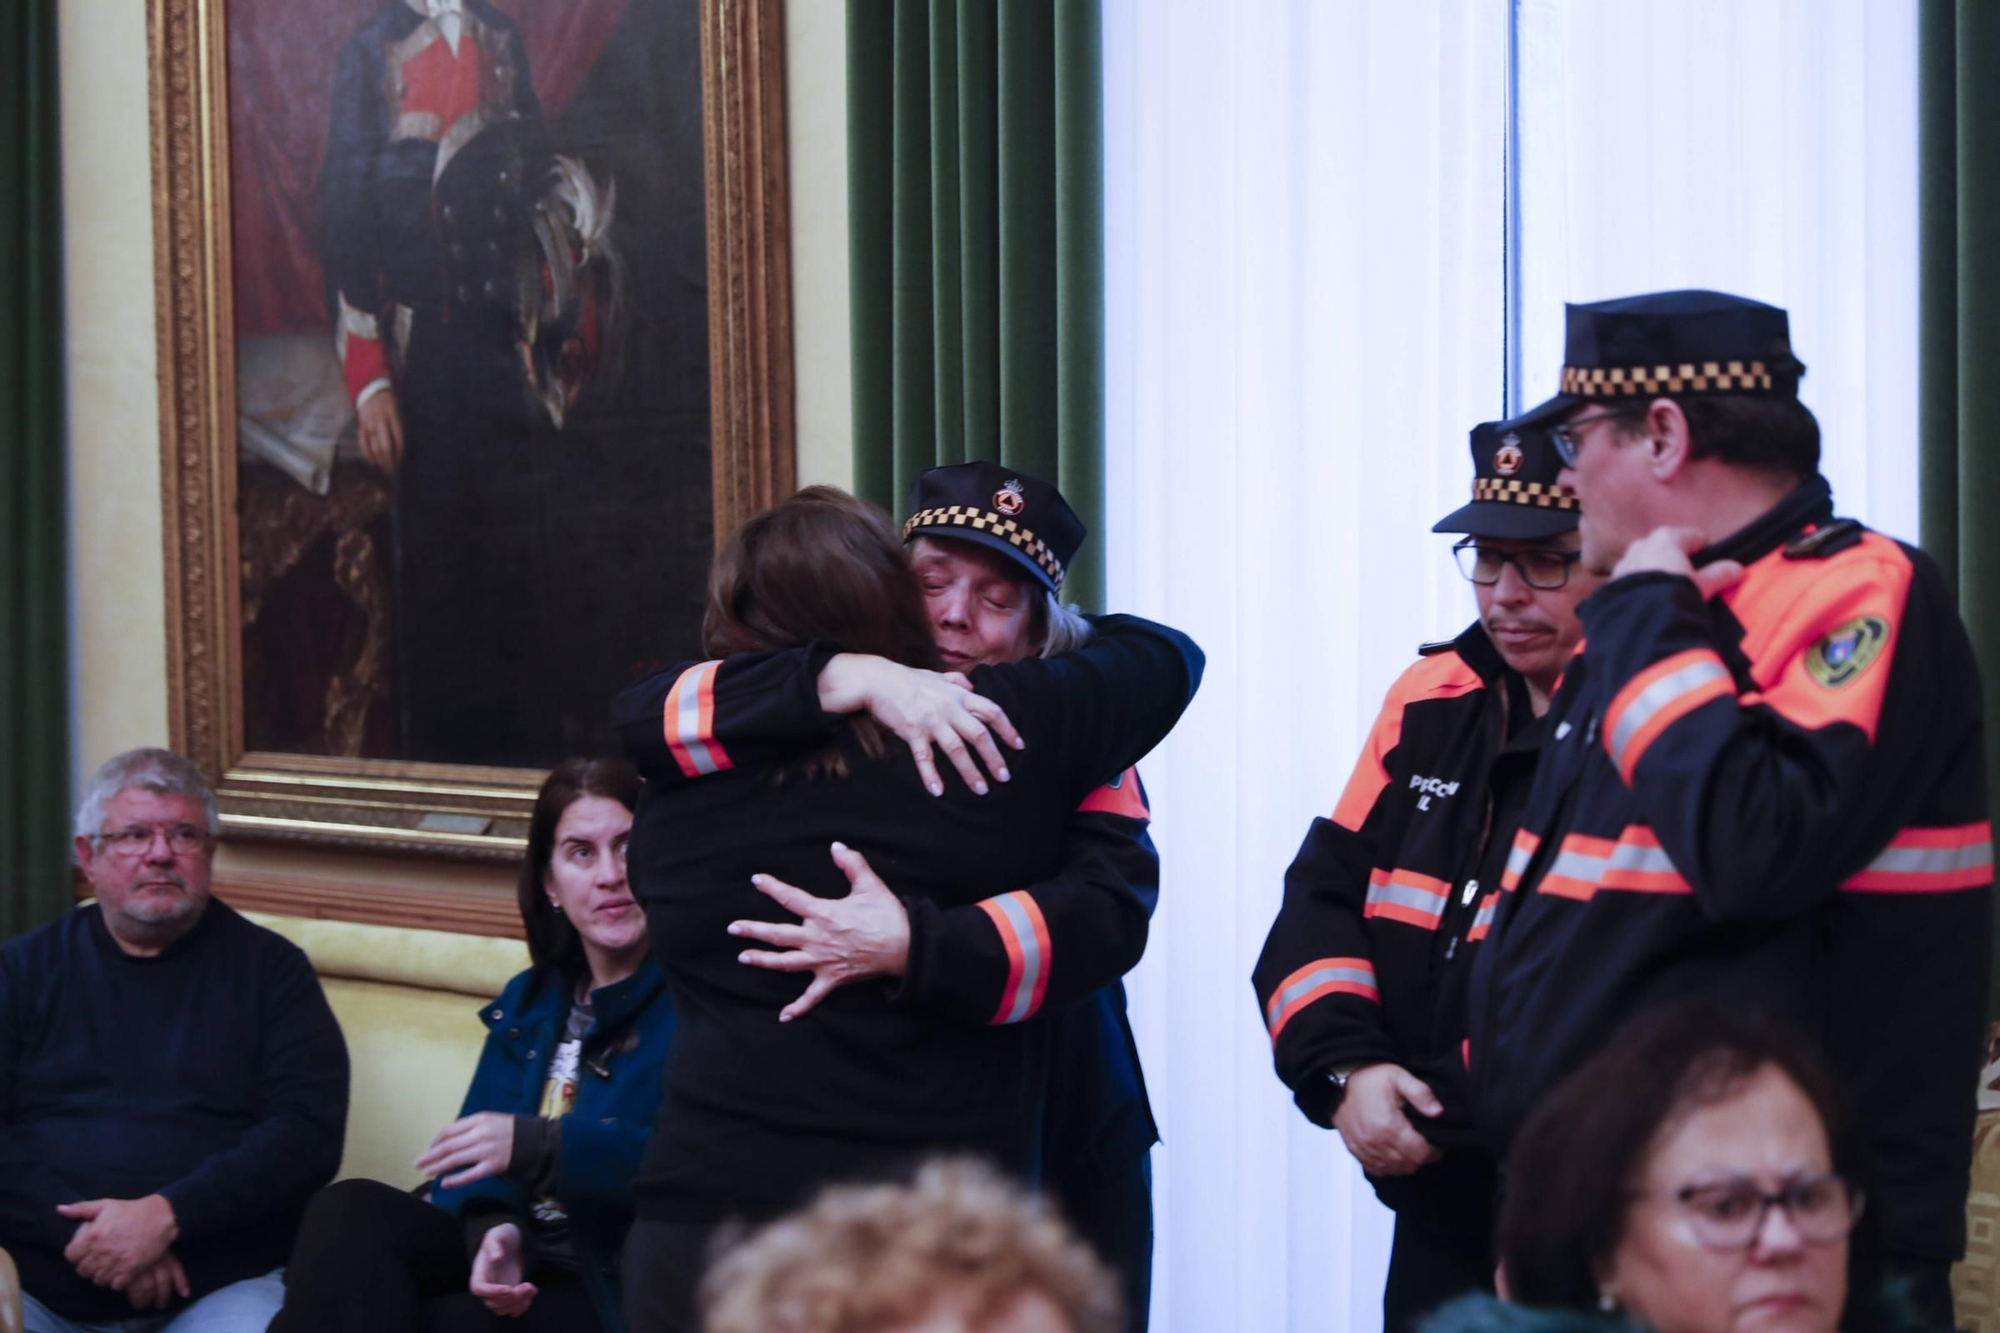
474, 339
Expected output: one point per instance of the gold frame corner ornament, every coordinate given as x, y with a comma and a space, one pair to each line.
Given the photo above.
377, 805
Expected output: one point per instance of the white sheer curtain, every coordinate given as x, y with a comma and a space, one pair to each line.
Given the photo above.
1768, 149
1305, 288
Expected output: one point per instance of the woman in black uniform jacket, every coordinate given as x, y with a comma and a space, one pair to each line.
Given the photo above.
757, 1114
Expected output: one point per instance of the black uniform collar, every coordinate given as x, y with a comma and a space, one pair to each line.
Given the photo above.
1811, 503
1476, 650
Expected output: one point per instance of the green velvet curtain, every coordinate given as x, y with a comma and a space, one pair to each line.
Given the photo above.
976, 246
34, 608
1959, 354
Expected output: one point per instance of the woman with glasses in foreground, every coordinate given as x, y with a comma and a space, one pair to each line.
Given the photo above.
1697, 1176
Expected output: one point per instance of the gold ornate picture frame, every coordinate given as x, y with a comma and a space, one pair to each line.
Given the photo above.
459, 811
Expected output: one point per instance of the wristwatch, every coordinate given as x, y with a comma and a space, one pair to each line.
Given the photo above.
1337, 1080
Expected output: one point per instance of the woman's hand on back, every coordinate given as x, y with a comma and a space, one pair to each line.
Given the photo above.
839, 940
929, 710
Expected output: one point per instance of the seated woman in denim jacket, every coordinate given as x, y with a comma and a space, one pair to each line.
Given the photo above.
532, 1189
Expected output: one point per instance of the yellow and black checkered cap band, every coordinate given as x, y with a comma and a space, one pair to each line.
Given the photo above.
1540, 495
996, 525
1685, 377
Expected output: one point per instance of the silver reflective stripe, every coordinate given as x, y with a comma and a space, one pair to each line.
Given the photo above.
1933, 860
1517, 860
1627, 856
1406, 895
1031, 956
690, 718
1576, 865
1484, 916
1658, 695
1312, 981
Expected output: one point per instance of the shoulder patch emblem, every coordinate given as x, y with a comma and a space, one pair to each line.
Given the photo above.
1845, 652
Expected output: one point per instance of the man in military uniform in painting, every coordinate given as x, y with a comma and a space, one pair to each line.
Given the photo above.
450, 236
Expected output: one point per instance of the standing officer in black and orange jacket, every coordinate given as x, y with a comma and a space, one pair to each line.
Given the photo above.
1362, 981
1766, 778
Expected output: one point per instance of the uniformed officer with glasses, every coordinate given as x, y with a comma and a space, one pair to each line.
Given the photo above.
1521, 519
1363, 980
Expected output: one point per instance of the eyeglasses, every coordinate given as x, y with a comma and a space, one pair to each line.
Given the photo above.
1730, 1214
1539, 568
1565, 435
182, 840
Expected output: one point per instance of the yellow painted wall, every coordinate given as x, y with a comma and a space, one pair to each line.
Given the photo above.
116, 571
118, 578
816, 125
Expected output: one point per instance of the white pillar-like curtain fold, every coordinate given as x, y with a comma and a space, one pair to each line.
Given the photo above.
1767, 149
1305, 215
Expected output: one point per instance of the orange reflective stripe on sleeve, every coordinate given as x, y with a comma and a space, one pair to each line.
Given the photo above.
689, 722
1482, 920
1316, 981
1638, 864
1632, 862
1518, 858
1024, 933
1406, 896
1120, 796
1930, 860
1658, 697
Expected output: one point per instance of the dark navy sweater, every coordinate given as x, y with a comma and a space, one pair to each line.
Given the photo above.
213, 1074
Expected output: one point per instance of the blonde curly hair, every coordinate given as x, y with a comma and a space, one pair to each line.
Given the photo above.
871, 1258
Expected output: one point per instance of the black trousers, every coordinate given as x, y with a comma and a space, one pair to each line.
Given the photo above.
664, 1262
373, 1259
1428, 1265
1112, 1208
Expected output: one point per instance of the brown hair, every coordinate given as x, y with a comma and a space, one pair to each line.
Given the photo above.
1778, 436
824, 566
552, 940
1570, 1171
821, 566
862, 1258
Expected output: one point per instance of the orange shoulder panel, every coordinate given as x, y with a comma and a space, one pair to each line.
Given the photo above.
1820, 634
1120, 796
1444, 676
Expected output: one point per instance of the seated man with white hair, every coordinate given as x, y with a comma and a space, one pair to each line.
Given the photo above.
173, 1086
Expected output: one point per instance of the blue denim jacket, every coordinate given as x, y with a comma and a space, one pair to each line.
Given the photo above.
604, 1137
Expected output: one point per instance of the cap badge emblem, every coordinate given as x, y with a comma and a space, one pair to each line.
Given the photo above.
1008, 499
1507, 458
